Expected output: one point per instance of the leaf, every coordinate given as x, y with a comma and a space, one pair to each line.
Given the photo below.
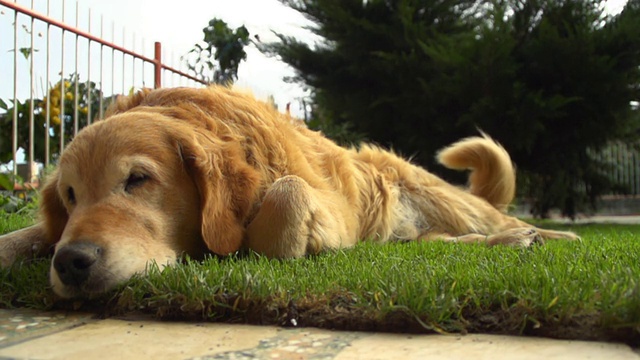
6, 182
25, 51
3, 105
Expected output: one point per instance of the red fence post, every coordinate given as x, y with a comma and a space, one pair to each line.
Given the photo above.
157, 74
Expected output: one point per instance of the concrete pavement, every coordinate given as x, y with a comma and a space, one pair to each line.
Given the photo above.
29, 334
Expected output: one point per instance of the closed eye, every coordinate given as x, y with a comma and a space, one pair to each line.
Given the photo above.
135, 180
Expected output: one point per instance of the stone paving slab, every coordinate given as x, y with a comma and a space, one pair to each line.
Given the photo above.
479, 347
81, 337
25, 324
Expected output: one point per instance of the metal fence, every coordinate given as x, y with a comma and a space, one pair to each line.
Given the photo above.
78, 69
622, 165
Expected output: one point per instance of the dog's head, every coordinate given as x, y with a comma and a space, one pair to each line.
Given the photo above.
146, 184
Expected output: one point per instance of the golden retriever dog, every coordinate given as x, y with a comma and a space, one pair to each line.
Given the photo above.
192, 171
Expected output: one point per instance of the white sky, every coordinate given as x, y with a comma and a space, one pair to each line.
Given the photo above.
136, 25
177, 24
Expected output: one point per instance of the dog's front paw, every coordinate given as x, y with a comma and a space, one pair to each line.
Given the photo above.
522, 237
281, 227
296, 219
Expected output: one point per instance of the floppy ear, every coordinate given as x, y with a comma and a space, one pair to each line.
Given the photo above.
227, 187
53, 213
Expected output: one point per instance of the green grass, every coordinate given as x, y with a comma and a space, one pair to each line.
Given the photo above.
577, 290
14, 221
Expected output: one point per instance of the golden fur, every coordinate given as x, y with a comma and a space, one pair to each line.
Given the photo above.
177, 171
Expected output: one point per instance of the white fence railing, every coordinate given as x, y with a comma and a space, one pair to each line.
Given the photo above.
63, 75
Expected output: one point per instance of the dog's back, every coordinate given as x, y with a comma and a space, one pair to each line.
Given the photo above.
492, 173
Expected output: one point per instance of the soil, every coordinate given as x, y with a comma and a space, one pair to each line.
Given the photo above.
340, 312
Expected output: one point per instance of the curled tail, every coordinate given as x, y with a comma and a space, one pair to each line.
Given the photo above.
492, 177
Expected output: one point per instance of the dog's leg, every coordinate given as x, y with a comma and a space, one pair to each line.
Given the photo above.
27, 242
557, 235
523, 237
295, 219
456, 215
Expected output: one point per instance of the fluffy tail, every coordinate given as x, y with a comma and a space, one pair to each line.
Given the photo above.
492, 177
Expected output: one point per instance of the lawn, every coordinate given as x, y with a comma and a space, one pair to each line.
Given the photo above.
573, 290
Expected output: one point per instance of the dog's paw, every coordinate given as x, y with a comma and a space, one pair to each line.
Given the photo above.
296, 219
521, 237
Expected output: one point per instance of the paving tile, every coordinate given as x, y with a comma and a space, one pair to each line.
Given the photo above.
122, 339
129, 339
291, 344
479, 347
140, 339
24, 324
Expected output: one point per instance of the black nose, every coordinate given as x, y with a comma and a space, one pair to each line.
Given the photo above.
73, 262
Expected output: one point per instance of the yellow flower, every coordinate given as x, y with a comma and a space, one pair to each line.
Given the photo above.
84, 110
55, 111
67, 84
55, 120
68, 96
